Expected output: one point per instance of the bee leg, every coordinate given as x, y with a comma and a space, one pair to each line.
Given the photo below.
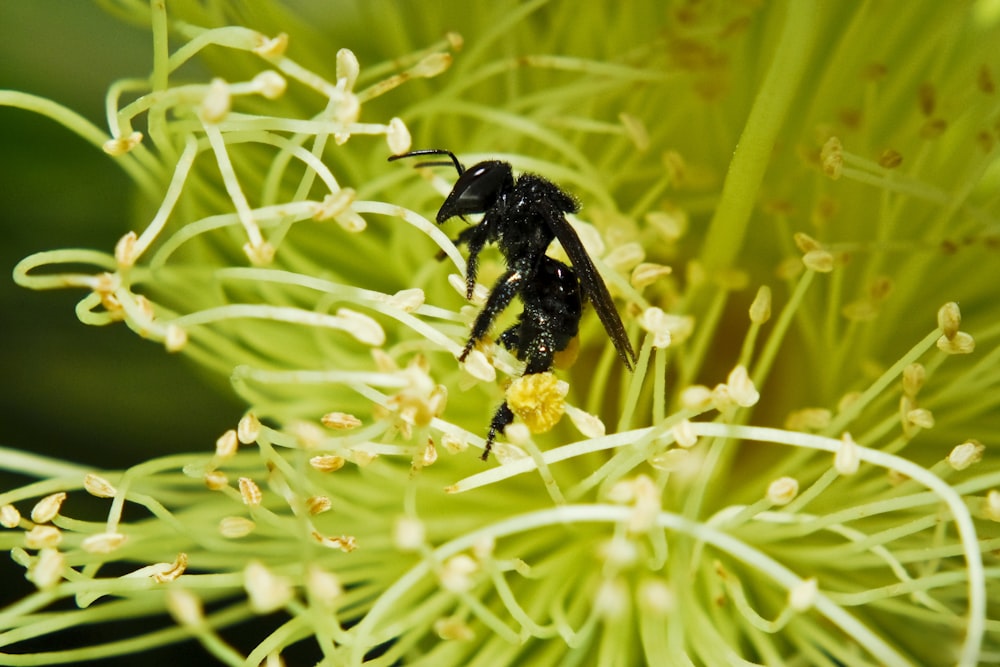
500, 297
501, 420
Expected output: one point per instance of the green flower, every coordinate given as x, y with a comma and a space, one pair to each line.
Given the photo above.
787, 200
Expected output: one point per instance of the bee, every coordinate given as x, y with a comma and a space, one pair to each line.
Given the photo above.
522, 216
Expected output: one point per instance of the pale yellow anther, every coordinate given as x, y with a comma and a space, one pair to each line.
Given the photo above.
760, 309
587, 424
802, 596
806, 243
960, 343
426, 456
479, 367
741, 387
250, 492
538, 400
656, 322
122, 145
270, 84
267, 591
455, 40
890, 159
619, 553
362, 458
656, 597
518, 434
125, 250
46, 571
175, 338
227, 444
340, 421
348, 69
216, 103
164, 573
625, 257
43, 537
335, 204
671, 224
635, 130
10, 517
248, 429
949, 319
612, 599
351, 221
453, 444
966, 454
457, 573
453, 628
327, 462
259, 254
646, 497
408, 300
914, 377
308, 434
696, 397
398, 137
185, 607
408, 534
920, 417
318, 504
782, 490
216, 480
484, 547
675, 167
271, 48
48, 507
896, 477
832, 157
102, 543
235, 527
362, 327
722, 400
808, 419
621, 493
346, 113
684, 434
646, 274
145, 307
820, 261
789, 268
323, 588
847, 460
675, 459
590, 237
345, 543
508, 452
432, 65
991, 505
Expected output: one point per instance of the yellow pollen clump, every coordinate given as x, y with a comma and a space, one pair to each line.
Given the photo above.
538, 399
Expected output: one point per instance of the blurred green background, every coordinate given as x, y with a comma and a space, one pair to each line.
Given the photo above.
96, 395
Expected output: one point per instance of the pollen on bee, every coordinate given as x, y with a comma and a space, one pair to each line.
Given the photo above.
538, 399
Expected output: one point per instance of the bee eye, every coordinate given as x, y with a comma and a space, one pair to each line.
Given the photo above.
477, 189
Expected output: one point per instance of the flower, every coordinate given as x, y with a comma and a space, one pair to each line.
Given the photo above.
789, 203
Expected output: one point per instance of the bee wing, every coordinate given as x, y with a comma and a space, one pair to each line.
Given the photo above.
591, 283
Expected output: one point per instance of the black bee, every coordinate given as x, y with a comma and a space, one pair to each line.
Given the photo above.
522, 216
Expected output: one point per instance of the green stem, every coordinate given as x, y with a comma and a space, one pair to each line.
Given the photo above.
753, 152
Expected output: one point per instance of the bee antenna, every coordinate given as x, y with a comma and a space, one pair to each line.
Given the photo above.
432, 151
